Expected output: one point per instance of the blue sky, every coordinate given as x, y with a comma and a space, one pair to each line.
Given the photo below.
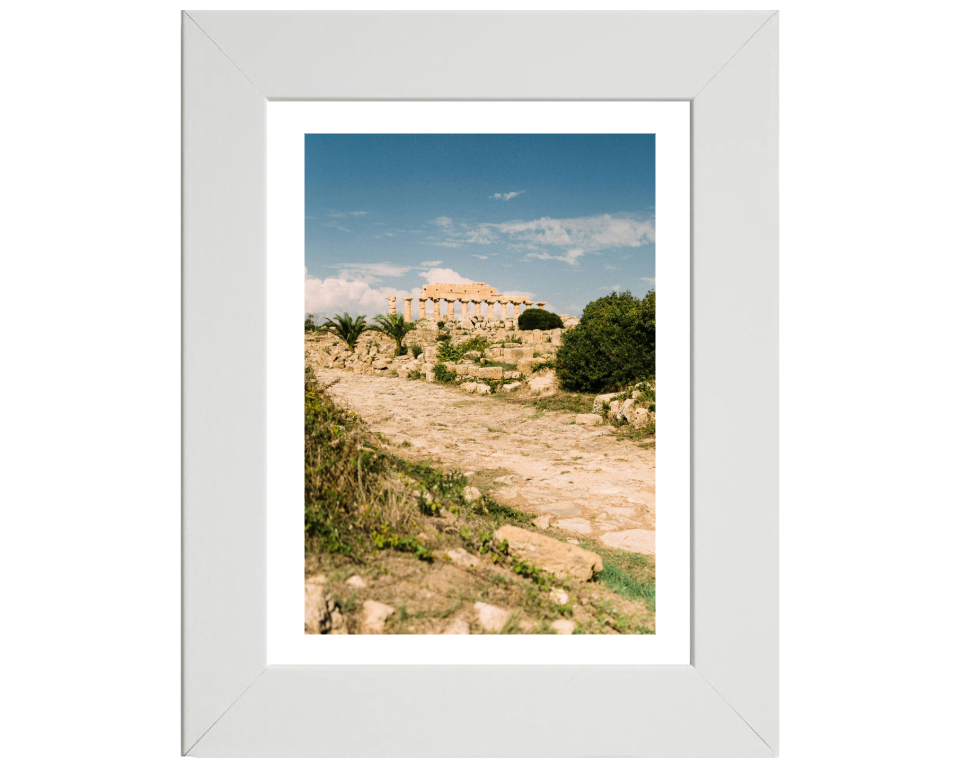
562, 218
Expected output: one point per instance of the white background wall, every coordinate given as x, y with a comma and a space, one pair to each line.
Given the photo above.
89, 407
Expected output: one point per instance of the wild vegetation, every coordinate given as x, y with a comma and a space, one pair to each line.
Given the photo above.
346, 328
396, 328
613, 345
371, 513
539, 320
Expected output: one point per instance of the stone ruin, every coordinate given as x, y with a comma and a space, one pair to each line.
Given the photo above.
512, 353
467, 294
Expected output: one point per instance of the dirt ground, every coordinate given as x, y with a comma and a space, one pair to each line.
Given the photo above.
581, 480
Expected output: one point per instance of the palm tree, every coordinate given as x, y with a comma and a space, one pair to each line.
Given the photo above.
395, 327
346, 328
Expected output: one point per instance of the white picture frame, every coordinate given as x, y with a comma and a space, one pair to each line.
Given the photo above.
725, 703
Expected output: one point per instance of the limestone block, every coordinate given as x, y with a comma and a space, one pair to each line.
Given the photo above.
482, 389
511, 387
512, 354
562, 560
489, 373
525, 366
544, 384
599, 400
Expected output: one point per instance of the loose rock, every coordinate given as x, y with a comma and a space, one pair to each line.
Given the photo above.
471, 493
562, 560
559, 596
460, 556
321, 614
457, 627
356, 581
491, 618
564, 626
374, 618
542, 522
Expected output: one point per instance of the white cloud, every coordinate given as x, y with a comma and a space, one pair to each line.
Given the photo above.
344, 214
505, 195
480, 256
430, 263
371, 273
570, 257
444, 222
337, 226
587, 233
443, 275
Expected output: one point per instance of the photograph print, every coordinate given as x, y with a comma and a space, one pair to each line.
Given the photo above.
480, 384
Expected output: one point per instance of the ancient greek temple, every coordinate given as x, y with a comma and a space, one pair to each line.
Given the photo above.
470, 295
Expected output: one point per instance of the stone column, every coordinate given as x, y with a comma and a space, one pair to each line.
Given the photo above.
490, 314
423, 310
436, 310
407, 310
517, 309
528, 304
464, 308
393, 304
540, 304
450, 306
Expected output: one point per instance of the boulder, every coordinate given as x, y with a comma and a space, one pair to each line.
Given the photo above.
511, 387
470, 493
470, 386
431, 376
564, 626
488, 373
374, 618
513, 354
562, 560
482, 389
589, 419
471, 355
356, 581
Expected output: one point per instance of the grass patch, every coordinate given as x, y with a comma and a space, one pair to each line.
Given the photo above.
629, 574
565, 401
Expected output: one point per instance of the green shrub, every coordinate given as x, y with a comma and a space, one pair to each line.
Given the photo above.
539, 320
449, 353
416, 349
613, 345
443, 374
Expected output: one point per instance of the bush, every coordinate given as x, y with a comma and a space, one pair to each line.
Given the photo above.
613, 345
443, 374
539, 320
416, 350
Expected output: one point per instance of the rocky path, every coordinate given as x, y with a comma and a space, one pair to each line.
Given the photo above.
581, 480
